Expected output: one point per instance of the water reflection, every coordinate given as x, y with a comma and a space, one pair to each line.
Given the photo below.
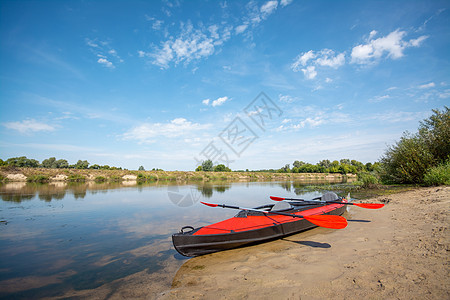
207, 189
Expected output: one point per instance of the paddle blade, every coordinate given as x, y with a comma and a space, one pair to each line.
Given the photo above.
276, 198
327, 221
369, 205
209, 204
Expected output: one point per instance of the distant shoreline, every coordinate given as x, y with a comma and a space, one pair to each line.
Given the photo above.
44, 175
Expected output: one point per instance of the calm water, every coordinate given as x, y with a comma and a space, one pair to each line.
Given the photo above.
57, 237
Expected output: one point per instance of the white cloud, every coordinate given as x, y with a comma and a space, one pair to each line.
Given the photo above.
398, 116
379, 98
311, 59
28, 126
287, 98
311, 122
146, 132
191, 44
105, 52
328, 59
418, 41
391, 46
268, 8
445, 94
310, 72
284, 3
217, 102
427, 86
241, 28
106, 63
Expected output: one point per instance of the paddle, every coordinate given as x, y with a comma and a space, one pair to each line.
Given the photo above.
327, 221
363, 205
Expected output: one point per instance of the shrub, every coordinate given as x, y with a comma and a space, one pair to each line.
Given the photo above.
368, 180
439, 175
115, 178
76, 178
406, 161
415, 154
38, 178
99, 179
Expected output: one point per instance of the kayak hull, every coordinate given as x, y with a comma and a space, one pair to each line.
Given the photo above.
195, 242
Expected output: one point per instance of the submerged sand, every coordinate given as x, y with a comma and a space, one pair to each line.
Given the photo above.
397, 252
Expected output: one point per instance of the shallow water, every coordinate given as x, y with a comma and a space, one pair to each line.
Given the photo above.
57, 238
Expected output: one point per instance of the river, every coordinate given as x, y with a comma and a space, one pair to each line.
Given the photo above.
60, 239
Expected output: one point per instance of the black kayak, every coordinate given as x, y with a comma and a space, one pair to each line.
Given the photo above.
251, 227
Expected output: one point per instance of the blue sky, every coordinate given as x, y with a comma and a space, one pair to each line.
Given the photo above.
165, 84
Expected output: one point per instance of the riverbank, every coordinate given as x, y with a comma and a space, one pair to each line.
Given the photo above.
397, 252
90, 175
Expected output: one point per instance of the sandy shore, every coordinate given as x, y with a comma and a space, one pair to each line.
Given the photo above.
398, 252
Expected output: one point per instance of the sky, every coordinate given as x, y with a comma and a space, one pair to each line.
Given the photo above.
249, 84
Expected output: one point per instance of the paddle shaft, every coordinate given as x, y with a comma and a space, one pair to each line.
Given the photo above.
364, 205
258, 210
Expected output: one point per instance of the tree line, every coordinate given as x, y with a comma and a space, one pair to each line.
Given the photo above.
52, 163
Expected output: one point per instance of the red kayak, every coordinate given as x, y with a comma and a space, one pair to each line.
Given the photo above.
260, 224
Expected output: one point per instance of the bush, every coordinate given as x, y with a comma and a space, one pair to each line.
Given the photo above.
76, 178
100, 179
38, 178
439, 175
146, 178
415, 154
368, 180
406, 161
115, 178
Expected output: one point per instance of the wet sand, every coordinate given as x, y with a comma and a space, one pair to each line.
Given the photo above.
397, 252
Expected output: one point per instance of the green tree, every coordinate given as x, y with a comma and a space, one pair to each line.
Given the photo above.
62, 164
22, 161
141, 168
49, 163
199, 168
325, 163
298, 164
345, 161
221, 168
82, 164
435, 133
207, 165
285, 169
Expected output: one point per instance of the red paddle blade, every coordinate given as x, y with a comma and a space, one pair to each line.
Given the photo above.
327, 221
369, 205
276, 198
209, 204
